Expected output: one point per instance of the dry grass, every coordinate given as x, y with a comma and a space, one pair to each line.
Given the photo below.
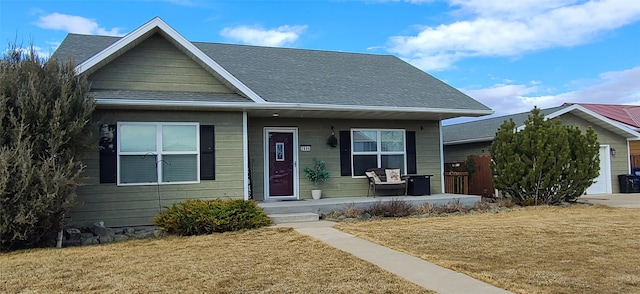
266, 261
578, 249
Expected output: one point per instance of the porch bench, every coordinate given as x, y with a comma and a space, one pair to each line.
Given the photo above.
378, 181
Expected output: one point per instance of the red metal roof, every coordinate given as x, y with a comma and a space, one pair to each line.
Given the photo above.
626, 114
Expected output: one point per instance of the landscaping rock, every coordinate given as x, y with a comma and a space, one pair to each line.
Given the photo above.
72, 234
365, 216
143, 234
105, 235
88, 239
128, 231
99, 234
118, 238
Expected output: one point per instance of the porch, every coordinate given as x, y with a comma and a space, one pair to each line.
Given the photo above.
297, 210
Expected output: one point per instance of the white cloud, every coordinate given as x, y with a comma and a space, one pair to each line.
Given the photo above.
74, 24
254, 35
511, 28
614, 87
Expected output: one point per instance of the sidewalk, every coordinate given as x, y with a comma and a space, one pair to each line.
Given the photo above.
416, 270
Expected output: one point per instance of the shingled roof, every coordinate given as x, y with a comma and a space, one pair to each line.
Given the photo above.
485, 129
301, 76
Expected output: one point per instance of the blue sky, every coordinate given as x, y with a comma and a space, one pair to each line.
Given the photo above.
509, 54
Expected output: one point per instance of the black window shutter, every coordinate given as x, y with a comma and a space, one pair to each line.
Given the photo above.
108, 155
345, 153
411, 152
207, 153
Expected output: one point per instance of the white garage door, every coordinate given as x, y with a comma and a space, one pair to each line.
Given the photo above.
602, 184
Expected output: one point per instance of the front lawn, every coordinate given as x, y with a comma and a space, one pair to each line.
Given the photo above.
267, 260
578, 249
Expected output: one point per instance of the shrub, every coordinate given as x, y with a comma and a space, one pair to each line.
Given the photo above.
454, 206
44, 112
427, 208
482, 205
197, 217
544, 163
505, 202
352, 211
393, 208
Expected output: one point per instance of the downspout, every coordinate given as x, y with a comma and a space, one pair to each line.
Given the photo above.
441, 158
60, 236
245, 155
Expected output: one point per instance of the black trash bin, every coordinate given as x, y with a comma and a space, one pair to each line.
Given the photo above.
418, 185
629, 184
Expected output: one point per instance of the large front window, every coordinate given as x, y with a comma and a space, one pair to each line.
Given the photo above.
150, 153
377, 148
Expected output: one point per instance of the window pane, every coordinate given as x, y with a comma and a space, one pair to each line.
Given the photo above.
137, 138
392, 140
393, 161
363, 162
364, 141
179, 138
138, 169
179, 168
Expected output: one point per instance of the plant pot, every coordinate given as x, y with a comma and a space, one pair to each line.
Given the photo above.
316, 194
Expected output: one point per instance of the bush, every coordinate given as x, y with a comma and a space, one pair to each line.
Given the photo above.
454, 206
44, 112
393, 208
427, 208
198, 217
352, 211
544, 163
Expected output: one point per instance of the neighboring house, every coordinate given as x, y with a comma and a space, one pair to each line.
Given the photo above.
181, 119
615, 138
628, 115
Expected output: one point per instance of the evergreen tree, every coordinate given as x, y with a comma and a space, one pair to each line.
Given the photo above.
44, 112
544, 163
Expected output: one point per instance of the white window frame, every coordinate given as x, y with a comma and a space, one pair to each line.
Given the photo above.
378, 151
159, 152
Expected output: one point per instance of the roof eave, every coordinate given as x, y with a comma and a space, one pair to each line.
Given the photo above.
468, 141
251, 106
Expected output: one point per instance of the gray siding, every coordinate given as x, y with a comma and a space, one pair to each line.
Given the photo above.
156, 65
620, 161
137, 205
315, 132
455, 153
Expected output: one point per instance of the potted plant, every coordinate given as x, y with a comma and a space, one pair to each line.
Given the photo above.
317, 174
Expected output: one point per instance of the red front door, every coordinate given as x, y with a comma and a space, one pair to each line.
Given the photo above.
281, 164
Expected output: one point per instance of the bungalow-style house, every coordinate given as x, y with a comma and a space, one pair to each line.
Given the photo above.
614, 135
181, 119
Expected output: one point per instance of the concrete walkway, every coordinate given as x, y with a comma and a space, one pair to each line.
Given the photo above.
631, 200
416, 270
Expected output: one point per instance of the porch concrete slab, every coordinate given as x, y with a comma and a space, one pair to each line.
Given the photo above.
626, 200
416, 270
330, 204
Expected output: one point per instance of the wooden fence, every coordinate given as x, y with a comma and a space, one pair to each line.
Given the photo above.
635, 161
456, 182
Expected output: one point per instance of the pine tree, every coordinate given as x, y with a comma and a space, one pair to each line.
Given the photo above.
44, 112
544, 163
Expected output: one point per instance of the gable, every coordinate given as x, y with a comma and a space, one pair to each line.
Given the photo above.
156, 65
605, 136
